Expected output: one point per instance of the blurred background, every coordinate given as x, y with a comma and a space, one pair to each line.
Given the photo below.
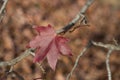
16, 32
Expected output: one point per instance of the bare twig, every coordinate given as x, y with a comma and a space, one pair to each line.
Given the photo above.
2, 9
76, 63
107, 64
11, 68
77, 18
116, 43
39, 64
108, 46
3, 6
15, 74
42, 69
16, 60
77, 60
66, 28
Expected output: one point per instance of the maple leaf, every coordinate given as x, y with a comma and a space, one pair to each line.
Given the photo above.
49, 45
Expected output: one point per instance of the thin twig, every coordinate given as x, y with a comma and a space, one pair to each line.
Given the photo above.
16, 60
17, 75
65, 29
77, 60
108, 46
115, 41
77, 18
39, 64
42, 69
108, 65
2, 9
11, 68
3, 6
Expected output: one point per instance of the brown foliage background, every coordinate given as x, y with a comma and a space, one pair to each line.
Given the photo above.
16, 31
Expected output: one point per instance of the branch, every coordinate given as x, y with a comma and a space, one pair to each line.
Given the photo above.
77, 60
107, 65
79, 16
65, 29
3, 8
16, 60
12, 74
108, 46
76, 63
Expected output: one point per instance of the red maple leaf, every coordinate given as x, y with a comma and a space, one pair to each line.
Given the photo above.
48, 44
